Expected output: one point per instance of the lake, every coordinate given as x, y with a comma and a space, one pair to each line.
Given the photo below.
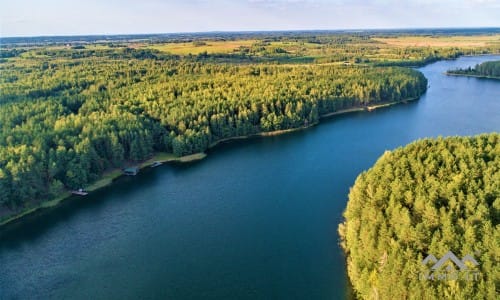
256, 219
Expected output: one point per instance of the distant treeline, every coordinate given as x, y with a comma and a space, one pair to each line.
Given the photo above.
183, 37
67, 117
486, 69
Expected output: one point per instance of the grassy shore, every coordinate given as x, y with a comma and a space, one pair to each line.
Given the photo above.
109, 176
30, 210
162, 157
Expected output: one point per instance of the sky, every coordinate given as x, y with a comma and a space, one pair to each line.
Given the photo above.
72, 17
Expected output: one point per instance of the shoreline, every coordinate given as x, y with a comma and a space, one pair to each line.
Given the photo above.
471, 75
111, 175
106, 180
324, 116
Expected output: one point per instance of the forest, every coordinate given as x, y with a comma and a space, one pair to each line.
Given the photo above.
429, 197
489, 69
71, 112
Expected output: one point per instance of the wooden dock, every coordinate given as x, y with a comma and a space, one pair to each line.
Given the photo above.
156, 164
80, 192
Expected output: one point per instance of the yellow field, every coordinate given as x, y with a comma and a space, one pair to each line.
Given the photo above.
315, 50
210, 47
454, 41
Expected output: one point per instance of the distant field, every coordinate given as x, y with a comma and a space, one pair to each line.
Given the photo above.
375, 48
441, 41
210, 47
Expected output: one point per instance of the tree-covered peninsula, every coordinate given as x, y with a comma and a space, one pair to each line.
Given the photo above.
415, 205
489, 69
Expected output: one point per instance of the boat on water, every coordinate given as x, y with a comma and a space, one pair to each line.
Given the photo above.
156, 164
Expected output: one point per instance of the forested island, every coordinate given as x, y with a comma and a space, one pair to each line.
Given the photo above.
72, 112
489, 69
427, 198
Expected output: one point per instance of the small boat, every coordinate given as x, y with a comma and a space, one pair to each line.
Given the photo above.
80, 192
156, 164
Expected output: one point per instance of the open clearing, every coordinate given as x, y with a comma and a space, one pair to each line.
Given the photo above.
440, 41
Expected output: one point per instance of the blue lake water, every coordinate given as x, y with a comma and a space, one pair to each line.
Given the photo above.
257, 219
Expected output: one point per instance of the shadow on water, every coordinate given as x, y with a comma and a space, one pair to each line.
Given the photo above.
229, 146
35, 225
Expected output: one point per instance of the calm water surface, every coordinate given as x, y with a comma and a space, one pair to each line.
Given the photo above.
257, 219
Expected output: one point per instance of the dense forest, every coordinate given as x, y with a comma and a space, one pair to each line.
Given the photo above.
66, 121
490, 69
430, 197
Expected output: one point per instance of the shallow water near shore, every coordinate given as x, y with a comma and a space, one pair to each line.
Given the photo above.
256, 219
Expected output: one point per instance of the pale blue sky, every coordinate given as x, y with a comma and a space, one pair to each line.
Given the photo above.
58, 17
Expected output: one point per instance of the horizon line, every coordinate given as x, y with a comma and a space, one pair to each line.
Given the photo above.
247, 31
